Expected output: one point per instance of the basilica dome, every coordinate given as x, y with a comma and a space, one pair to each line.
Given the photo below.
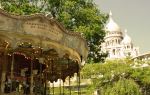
127, 39
117, 43
112, 26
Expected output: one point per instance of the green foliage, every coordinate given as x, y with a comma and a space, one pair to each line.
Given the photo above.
76, 15
119, 77
20, 7
123, 87
83, 16
90, 70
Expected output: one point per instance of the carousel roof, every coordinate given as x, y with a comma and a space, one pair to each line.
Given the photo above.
41, 36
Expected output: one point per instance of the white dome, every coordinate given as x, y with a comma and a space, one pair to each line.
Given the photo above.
126, 39
111, 25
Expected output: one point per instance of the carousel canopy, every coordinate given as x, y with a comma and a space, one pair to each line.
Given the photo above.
46, 40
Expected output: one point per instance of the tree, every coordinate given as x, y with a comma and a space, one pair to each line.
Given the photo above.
119, 77
123, 87
76, 15
82, 16
20, 7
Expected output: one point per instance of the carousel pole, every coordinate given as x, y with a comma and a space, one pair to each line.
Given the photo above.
63, 88
60, 81
12, 70
45, 83
78, 80
31, 76
69, 86
41, 62
50, 88
4, 68
12, 67
53, 88
50, 81
52, 67
69, 80
41, 84
60, 86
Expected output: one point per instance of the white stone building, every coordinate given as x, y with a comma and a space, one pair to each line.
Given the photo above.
117, 43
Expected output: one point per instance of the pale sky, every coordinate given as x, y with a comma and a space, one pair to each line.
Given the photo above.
133, 15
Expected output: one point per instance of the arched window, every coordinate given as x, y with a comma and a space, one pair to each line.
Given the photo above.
116, 41
112, 42
114, 51
129, 54
118, 52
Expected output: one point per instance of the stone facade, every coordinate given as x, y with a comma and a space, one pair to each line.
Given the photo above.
116, 43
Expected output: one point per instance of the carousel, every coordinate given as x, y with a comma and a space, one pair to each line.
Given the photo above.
37, 49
